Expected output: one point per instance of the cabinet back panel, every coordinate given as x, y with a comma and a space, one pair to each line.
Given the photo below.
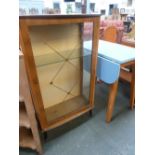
57, 51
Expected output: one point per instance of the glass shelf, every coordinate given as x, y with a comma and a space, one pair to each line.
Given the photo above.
65, 108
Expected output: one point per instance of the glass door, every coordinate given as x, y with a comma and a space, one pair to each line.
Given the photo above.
63, 67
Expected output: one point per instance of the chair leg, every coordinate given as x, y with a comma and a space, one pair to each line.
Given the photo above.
132, 89
111, 101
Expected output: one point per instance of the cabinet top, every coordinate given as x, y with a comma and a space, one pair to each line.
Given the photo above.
59, 16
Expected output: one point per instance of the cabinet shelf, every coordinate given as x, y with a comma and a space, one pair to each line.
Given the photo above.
23, 118
28, 129
65, 108
26, 139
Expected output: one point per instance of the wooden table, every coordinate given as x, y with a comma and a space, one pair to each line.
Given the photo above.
119, 56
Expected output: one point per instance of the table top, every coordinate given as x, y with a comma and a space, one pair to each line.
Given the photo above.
58, 16
113, 51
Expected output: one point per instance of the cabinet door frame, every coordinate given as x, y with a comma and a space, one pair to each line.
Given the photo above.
25, 42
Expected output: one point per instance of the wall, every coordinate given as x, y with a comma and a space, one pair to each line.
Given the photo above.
27, 4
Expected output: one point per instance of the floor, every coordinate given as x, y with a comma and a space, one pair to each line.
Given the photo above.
91, 135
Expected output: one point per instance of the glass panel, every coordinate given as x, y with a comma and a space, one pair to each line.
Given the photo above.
63, 67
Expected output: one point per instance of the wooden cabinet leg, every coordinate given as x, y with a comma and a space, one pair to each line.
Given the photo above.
40, 151
111, 101
91, 113
132, 89
45, 135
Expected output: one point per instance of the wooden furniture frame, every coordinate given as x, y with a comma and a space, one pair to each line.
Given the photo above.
114, 86
28, 127
110, 35
111, 58
129, 74
25, 23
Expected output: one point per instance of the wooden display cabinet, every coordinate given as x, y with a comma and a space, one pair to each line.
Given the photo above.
61, 72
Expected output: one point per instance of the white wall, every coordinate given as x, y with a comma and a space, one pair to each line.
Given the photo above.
27, 4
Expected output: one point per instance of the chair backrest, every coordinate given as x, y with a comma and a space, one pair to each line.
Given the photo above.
110, 34
107, 71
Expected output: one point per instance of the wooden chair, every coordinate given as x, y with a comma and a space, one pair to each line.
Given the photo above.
110, 34
128, 75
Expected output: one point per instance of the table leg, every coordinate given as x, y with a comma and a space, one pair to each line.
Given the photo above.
111, 101
132, 88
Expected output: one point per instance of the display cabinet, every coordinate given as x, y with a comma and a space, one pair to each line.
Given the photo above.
61, 72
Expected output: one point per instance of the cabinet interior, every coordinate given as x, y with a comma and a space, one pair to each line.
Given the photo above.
60, 63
